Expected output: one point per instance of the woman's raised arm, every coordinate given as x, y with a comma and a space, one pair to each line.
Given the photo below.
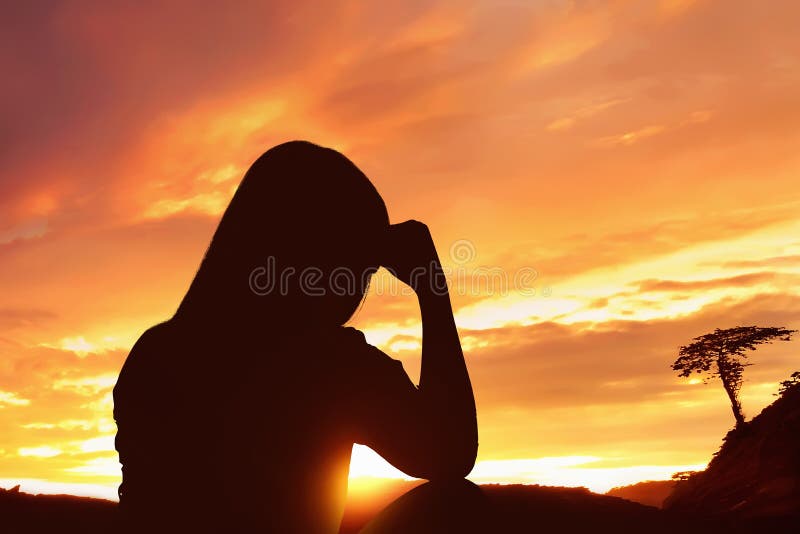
439, 438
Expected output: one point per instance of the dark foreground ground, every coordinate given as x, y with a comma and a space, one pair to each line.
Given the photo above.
457, 508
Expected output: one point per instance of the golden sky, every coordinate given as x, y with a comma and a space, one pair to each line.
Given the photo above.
640, 157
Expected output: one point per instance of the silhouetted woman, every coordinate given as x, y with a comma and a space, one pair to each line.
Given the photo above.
240, 412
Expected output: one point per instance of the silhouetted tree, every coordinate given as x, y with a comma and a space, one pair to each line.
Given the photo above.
721, 352
793, 382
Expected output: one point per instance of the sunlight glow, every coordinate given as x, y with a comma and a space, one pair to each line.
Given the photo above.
67, 424
106, 466
98, 444
572, 301
45, 451
364, 462
10, 398
78, 345
96, 343
570, 471
212, 203
48, 487
87, 385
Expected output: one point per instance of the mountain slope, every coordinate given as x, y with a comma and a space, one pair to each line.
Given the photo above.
650, 492
24, 513
469, 509
755, 474
461, 507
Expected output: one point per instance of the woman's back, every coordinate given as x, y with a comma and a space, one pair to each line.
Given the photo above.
223, 431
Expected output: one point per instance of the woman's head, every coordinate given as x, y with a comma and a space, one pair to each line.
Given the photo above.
297, 241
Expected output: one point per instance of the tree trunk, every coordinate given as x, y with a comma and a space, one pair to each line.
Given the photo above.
736, 406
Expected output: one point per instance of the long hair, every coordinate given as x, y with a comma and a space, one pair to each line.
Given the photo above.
299, 206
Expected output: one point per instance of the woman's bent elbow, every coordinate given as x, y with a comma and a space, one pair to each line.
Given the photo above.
455, 461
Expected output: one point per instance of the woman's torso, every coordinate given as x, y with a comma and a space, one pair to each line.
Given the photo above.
225, 431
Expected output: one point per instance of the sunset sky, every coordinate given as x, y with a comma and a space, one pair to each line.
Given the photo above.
640, 157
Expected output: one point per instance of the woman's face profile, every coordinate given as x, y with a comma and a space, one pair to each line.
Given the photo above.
346, 289
343, 281
317, 294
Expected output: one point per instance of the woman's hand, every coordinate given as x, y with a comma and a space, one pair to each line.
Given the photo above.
410, 255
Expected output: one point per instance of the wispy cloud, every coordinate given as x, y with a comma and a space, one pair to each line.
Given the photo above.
9, 398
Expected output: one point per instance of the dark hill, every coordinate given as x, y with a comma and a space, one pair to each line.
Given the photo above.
466, 508
459, 508
756, 472
463, 508
23, 513
650, 492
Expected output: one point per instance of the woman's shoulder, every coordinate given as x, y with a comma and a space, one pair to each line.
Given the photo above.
353, 348
349, 339
352, 335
